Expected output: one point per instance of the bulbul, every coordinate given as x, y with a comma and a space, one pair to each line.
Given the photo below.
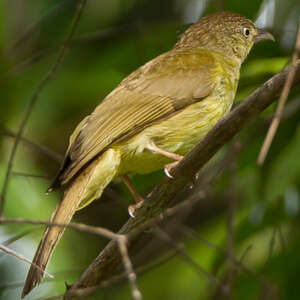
152, 118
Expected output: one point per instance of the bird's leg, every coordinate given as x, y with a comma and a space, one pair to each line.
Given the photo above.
168, 167
137, 197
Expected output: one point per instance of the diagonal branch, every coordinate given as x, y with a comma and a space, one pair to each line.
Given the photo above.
163, 194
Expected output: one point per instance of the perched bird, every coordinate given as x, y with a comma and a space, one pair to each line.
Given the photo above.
153, 118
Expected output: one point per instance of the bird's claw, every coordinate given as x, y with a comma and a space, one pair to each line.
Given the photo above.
169, 167
134, 207
168, 173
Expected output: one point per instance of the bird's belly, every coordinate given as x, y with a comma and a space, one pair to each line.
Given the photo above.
178, 134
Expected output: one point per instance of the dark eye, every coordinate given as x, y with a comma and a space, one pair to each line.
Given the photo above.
246, 32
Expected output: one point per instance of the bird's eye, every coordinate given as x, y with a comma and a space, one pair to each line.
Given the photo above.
246, 32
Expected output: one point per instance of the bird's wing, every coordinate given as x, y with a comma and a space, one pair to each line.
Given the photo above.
158, 89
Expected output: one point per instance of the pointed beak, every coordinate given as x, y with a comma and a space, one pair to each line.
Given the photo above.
263, 35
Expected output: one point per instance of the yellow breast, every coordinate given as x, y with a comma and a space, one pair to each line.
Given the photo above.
178, 134
182, 131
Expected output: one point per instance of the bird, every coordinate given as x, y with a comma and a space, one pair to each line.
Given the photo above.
155, 116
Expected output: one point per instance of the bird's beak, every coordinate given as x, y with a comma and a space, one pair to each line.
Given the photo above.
263, 35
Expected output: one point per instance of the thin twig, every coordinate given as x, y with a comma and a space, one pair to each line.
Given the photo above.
135, 292
21, 257
76, 226
283, 97
34, 98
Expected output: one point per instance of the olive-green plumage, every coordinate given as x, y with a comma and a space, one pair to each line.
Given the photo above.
170, 102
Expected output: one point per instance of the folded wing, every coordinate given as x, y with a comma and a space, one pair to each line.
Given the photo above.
157, 90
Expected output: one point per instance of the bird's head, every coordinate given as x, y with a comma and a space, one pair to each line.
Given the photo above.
228, 33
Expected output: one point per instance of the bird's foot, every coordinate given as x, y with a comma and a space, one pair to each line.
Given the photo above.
133, 208
137, 197
169, 167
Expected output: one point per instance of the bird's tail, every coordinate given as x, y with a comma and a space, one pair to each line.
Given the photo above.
62, 215
84, 189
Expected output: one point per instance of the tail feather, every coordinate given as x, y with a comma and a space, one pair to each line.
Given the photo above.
86, 187
62, 215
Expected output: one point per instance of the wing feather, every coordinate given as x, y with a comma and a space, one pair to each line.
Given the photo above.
161, 87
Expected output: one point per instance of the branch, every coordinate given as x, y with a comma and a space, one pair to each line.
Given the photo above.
163, 194
283, 97
22, 258
121, 240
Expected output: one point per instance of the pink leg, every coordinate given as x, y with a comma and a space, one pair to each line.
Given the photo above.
163, 152
137, 197
172, 155
172, 165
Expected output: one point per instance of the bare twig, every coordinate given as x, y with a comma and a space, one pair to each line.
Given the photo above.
34, 98
135, 292
21, 257
76, 226
283, 97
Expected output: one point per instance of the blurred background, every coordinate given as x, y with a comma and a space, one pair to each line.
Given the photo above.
248, 212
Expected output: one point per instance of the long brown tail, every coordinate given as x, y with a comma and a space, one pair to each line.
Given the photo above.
86, 187
62, 215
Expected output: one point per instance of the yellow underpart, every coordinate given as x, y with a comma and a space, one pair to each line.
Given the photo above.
178, 134
105, 170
